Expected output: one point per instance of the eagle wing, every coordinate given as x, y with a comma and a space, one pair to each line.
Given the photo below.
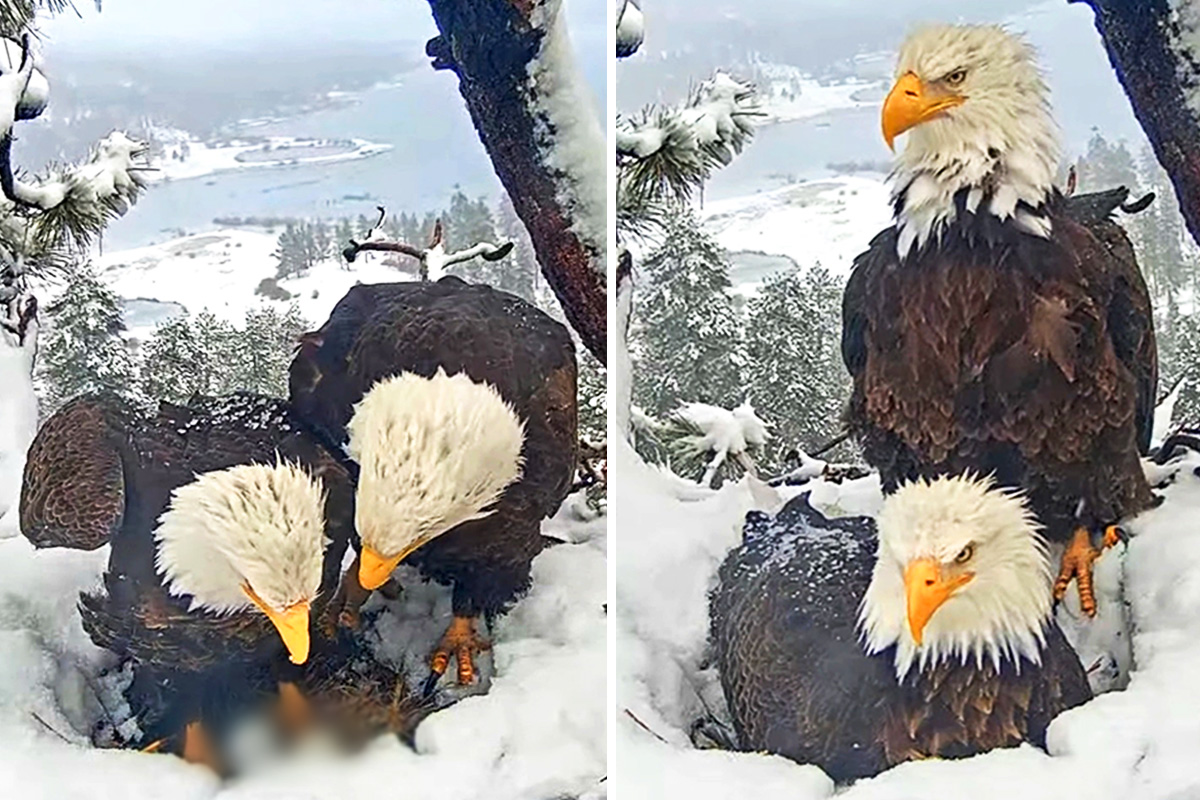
1130, 314
73, 492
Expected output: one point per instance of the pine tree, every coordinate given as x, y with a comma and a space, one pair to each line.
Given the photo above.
265, 351
84, 351
793, 343
291, 253
173, 362
593, 397
518, 273
688, 339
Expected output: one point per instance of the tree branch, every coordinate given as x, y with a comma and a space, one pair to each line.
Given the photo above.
517, 77
1144, 42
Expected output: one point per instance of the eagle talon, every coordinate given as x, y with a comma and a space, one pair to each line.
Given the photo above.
1114, 534
462, 643
1077, 562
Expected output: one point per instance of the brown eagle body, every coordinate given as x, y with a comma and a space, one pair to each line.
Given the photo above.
100, 472
1000, 352
799, 683
377, 331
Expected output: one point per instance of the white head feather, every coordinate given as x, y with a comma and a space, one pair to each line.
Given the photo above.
433, 453
1001, 613
251, 524
1001, 143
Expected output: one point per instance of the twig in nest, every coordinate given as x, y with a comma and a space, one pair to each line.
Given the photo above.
644, 726
48, 727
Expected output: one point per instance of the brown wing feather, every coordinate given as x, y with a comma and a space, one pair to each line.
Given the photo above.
1028, 358
73, 494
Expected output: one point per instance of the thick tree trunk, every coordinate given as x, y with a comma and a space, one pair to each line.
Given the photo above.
1161, 75
18, 402
507, 55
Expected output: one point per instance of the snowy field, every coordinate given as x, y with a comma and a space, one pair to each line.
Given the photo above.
822, 221
537, 734
219, 271
276, 151
1139, 742
788, 94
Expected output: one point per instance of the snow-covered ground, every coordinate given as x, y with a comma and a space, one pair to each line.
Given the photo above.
219, 271
826, 221
202, 159
537, 734
1140, 742
788, 94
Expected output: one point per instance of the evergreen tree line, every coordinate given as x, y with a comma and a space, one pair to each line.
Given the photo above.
1169, 258
85, 351
305, 243
694, 340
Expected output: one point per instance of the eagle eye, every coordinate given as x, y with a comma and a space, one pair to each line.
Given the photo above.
957, 77
965, 554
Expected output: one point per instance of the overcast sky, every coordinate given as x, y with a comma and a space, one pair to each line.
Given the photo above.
126, 24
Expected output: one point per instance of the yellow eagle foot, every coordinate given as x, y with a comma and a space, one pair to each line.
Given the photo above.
1077, 561
462, 643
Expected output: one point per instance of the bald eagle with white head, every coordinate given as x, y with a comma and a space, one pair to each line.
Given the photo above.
999, 326
856, 650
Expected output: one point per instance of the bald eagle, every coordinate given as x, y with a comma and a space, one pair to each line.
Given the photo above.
998, 326
227, 524
855, 651
524, 358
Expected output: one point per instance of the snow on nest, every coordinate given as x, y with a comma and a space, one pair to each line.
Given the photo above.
220, 270
1140, 742
828, 221
538, 733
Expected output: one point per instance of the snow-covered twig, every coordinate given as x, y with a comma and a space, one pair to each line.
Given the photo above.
631, 27
537, 121
672, 151
434, 259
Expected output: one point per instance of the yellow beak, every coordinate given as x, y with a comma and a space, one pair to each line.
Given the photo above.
374, 569
909, 103
925, 591
292, 624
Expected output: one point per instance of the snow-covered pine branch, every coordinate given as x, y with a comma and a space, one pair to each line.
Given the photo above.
434, 259
699, 433
669, 152
537, 121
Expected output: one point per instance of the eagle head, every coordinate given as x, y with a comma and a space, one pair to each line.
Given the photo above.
247, 537
976, 110
962, 573
433, 453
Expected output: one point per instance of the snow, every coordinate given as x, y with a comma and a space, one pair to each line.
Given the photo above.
569, 132
788, 94
1164, 413
18, 411
220, 270
719, 117
538, 732
726, 433
204, 159
1138, 742
828, 221
631, 27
